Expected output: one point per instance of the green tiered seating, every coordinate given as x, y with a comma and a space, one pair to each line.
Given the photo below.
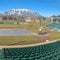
49, 51
54, 25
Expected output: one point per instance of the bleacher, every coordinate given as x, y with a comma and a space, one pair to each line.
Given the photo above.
8, 22
54, 25
49, 51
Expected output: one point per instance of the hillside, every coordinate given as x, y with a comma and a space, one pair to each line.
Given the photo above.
21, 14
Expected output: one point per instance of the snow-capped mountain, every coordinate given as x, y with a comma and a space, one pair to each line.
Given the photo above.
21, 12
2, 14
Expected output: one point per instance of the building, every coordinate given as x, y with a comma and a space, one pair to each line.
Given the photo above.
55, 19
28, 21
0, 18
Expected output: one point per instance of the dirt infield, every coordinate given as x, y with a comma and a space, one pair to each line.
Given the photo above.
45, 38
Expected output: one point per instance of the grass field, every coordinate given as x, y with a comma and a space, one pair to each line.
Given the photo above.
25, 39
28, 27
18, 39
39, 23
54, 35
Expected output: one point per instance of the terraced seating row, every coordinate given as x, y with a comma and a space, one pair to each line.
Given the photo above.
43, 52
8, 23
54, 25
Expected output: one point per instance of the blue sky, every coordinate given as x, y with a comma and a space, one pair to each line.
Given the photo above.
44, 7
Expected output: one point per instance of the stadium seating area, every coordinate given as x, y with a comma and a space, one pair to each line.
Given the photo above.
49, 51
8, 23
54, 25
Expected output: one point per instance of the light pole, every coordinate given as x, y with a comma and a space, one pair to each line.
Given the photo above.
40, 30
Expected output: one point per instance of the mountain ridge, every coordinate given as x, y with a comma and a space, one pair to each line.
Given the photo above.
20, 14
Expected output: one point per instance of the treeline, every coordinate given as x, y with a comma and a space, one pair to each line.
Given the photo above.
21, 18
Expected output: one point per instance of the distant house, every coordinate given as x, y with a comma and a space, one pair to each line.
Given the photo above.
55, 19
0, 18
37, 20
28, 21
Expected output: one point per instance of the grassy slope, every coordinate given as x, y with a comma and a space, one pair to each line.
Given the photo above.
54, 35
18, 39
38, 23
24, 26
10, 26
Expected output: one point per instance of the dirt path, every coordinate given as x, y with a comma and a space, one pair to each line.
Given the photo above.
45, 38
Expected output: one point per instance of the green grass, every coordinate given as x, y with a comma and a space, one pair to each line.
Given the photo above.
10, 26
18, 39
36, 24
39, 23
11, 21
24, 39
54, 35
